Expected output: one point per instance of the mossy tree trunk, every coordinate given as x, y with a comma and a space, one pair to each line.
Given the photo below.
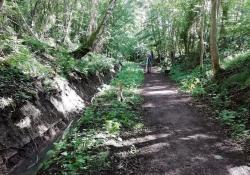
86, 47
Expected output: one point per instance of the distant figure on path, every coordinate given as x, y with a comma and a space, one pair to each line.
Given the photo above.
149, 62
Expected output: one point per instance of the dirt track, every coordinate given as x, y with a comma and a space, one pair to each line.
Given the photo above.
180, 140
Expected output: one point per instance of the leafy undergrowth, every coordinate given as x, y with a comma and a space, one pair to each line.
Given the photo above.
229, 95
84, 149
24, 61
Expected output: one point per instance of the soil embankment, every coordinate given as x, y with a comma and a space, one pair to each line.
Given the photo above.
27, 128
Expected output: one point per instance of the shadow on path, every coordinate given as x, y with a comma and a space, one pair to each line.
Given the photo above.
179, 140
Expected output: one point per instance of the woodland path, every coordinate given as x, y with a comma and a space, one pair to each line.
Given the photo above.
179, 139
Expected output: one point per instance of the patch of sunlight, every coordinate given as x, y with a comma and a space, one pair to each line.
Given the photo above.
155, 81
156, 87
53, 132
163, 92
147, 149
148, 105
42, 129
240, 170
146, 138
154, 148
69, 101
4, 102
31, 111
24, 123
198, 136
218, 157
102, 90
187, 99
199, 158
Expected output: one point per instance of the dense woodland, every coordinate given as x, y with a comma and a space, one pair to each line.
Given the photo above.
201, 44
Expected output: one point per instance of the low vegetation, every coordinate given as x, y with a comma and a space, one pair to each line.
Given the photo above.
85, 147
229, 94
32, 60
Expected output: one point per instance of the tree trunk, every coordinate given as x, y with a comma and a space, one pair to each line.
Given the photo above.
86, 47
213, 38
1, 4
202, 47
93, 17
225, 8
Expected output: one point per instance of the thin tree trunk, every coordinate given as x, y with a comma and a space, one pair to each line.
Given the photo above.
68, 21
202, 47
27, 27
213, 38
85, 48
1, 4
225, 8
93, 17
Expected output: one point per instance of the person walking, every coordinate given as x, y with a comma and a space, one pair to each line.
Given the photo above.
149, 62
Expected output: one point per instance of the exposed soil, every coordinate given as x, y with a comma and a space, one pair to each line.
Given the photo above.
29, 128
179, 139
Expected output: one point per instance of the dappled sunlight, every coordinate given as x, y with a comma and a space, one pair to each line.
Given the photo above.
148, 105
239, 170
199, 159
146, 138
154, 148
181, 100
161, 92
218, 157
42, 129
69, 100
4, 102
24, 123
30, 113
131, 86
198, 136
155, 88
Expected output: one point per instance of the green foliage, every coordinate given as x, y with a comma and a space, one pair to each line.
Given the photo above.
227, 116
25, 62
113, 127
64, 63
192, 81
225, 94
238, 61
15, 84
78, 152
236, 120
130, 77
83, 149
240, 80
94, 63
35, 45
91, 64
241, 65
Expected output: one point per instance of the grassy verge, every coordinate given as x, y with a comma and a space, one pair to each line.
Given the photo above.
85, 150
229, 95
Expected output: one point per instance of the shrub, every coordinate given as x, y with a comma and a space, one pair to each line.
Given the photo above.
191, 81
35, 45
24, 61
221, 93
94, 63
